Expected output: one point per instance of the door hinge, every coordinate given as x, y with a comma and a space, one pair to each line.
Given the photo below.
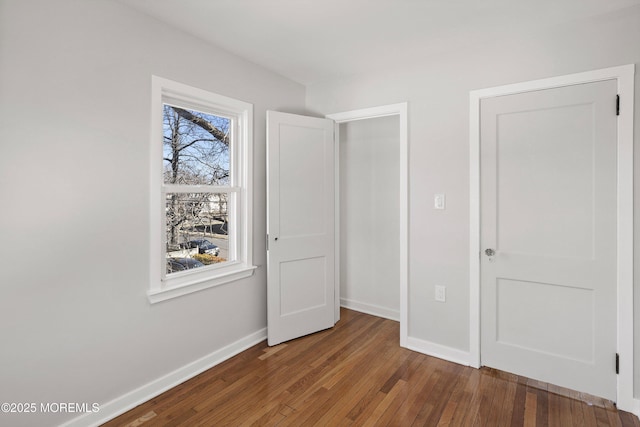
617, 363
617, 105
267, 242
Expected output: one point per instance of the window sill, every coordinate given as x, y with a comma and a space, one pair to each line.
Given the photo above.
240, 271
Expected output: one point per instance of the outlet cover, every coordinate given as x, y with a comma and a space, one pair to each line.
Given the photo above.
441, 293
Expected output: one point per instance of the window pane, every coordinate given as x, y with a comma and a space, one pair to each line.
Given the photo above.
197, 228
195, 147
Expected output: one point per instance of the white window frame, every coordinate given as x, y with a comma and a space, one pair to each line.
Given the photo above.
163, 286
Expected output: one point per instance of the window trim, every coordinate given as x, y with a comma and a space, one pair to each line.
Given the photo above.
168, 91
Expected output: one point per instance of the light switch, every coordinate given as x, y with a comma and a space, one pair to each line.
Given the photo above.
438, 201
441, 293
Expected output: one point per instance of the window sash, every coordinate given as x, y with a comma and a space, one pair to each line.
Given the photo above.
235, 136
182, 188
234, 212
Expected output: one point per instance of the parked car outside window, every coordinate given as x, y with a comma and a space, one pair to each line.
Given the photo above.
204, 246
181, 264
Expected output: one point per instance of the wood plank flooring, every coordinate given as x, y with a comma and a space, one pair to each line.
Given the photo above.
357, 375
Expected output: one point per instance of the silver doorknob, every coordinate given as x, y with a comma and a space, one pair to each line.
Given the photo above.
489, 252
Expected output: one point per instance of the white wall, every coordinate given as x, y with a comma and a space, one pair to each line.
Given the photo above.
438, 96
369, 216
75, 322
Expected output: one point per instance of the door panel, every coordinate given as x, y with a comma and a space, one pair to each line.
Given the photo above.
534, 178
548, 209
301, 162
300, 225
302, 285
518, 303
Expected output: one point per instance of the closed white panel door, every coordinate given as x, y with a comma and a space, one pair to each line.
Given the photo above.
548, 235
300, 225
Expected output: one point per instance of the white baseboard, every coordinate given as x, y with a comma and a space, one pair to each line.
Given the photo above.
374, 310
440, 351
130, 400
636, 408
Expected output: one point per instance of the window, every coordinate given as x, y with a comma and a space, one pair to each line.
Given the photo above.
200, 186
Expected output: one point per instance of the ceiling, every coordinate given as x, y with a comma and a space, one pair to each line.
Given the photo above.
314, 40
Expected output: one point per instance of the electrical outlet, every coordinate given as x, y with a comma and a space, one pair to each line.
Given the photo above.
441, 293
439, 201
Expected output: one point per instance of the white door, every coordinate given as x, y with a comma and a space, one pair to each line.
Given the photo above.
300, 225
548, 235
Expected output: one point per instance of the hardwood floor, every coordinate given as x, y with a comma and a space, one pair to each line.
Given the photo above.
356, 374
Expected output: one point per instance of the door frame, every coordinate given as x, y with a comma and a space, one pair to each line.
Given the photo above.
625, 80
400, 110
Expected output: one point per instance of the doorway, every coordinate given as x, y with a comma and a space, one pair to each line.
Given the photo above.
369, 197
361, 127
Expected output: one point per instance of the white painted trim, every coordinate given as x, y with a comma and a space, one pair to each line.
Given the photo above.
626, 90
625, 78
336, 184
130, 400
636, 408
225, 276
368, 113
374, 310
440, 351
404, 224
401, 110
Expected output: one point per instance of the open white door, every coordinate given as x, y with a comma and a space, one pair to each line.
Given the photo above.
300, 225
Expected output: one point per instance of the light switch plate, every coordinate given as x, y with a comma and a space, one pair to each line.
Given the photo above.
439, 201
441, 293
